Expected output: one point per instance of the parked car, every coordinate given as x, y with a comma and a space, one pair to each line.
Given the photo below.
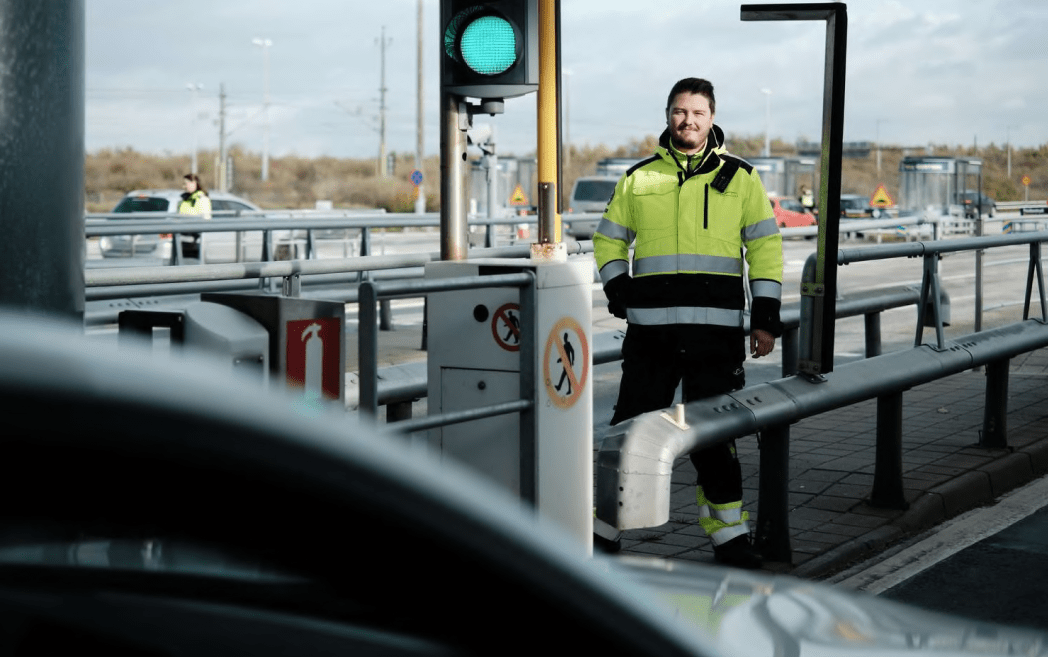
164, 201
857, 206
972, 199
590, 195
172, 507
789, 213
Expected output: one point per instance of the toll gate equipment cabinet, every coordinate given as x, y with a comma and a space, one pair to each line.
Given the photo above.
475, 355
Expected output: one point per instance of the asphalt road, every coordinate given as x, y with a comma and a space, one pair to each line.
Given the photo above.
988, 564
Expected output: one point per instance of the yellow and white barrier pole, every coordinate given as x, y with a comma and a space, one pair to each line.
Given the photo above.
549, 245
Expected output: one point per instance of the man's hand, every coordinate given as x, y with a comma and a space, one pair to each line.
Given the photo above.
761, 343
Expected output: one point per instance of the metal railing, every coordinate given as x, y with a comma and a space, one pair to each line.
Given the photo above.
634, 464
372, 292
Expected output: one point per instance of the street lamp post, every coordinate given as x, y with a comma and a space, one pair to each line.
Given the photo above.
767, 122
194, 87
877, 138
1008, 140
265, 44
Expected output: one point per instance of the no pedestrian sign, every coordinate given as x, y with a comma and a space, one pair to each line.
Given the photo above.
565, 366
505, 327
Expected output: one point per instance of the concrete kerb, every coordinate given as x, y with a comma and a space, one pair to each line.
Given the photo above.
973, 489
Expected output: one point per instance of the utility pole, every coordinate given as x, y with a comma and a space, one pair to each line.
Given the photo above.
1008, 139
420, 199
767, 122
383, 169
194, 88
220, 170
265, 44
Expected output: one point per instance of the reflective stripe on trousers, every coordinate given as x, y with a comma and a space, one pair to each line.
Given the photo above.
721, 522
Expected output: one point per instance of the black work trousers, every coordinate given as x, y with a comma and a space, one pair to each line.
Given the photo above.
709, 361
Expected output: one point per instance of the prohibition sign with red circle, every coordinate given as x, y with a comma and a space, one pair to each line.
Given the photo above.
505, 328
566, 329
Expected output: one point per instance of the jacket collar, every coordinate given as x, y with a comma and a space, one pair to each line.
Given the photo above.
710, 159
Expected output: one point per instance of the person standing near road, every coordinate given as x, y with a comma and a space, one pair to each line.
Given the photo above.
692, 212
195, 201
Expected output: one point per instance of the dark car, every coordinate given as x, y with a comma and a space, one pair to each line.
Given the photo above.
972, 200
857, 206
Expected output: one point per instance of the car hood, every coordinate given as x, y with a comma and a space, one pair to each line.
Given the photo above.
762, 614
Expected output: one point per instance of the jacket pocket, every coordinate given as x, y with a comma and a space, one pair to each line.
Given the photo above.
655, 205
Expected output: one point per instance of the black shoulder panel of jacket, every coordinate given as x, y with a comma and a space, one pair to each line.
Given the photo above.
644, 162
727, 171
742, 164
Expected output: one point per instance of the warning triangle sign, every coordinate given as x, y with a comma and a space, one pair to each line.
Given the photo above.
881, 198
518, 198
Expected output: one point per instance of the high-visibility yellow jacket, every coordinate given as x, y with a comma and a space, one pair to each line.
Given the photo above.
691, 221
196, 203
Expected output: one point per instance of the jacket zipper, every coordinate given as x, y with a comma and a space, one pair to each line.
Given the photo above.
706, 208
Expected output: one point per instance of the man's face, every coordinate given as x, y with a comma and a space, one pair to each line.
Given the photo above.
690, 120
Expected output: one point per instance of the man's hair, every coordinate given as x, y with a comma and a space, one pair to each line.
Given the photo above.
693, 86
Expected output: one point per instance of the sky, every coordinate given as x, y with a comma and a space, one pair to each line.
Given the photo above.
919, 72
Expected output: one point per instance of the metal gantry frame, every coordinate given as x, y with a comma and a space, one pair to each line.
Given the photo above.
816, 357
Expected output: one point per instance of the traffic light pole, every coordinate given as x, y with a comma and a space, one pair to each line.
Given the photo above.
454, 121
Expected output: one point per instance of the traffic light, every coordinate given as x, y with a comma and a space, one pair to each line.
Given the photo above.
490, 49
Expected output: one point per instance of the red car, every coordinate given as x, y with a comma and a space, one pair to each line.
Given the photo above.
789, 213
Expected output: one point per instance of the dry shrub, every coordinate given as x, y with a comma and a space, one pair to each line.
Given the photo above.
298, 182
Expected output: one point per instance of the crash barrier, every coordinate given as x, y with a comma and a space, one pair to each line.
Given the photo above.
303, 227
398, 390
635, 462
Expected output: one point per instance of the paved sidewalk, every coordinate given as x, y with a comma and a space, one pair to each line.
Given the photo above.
832, 465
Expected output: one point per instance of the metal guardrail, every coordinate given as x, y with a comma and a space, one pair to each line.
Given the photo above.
371, 293
634, 464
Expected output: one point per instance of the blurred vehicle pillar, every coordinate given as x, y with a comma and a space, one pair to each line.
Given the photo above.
42, 155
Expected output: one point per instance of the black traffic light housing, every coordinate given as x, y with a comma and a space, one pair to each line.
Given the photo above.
489, 50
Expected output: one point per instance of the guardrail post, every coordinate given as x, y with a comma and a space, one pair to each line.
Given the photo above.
873, 334
790, 351
887, 477
994, 434
930, 299
773, 524
176, 249
529, 430
1035, 269
367, 351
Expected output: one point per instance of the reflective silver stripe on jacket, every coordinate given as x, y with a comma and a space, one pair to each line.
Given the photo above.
759, 230
765, 288
685, 315
612, 230
613, 269
671, 264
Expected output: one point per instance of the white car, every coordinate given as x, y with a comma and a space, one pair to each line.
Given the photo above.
590, 195
164, 201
